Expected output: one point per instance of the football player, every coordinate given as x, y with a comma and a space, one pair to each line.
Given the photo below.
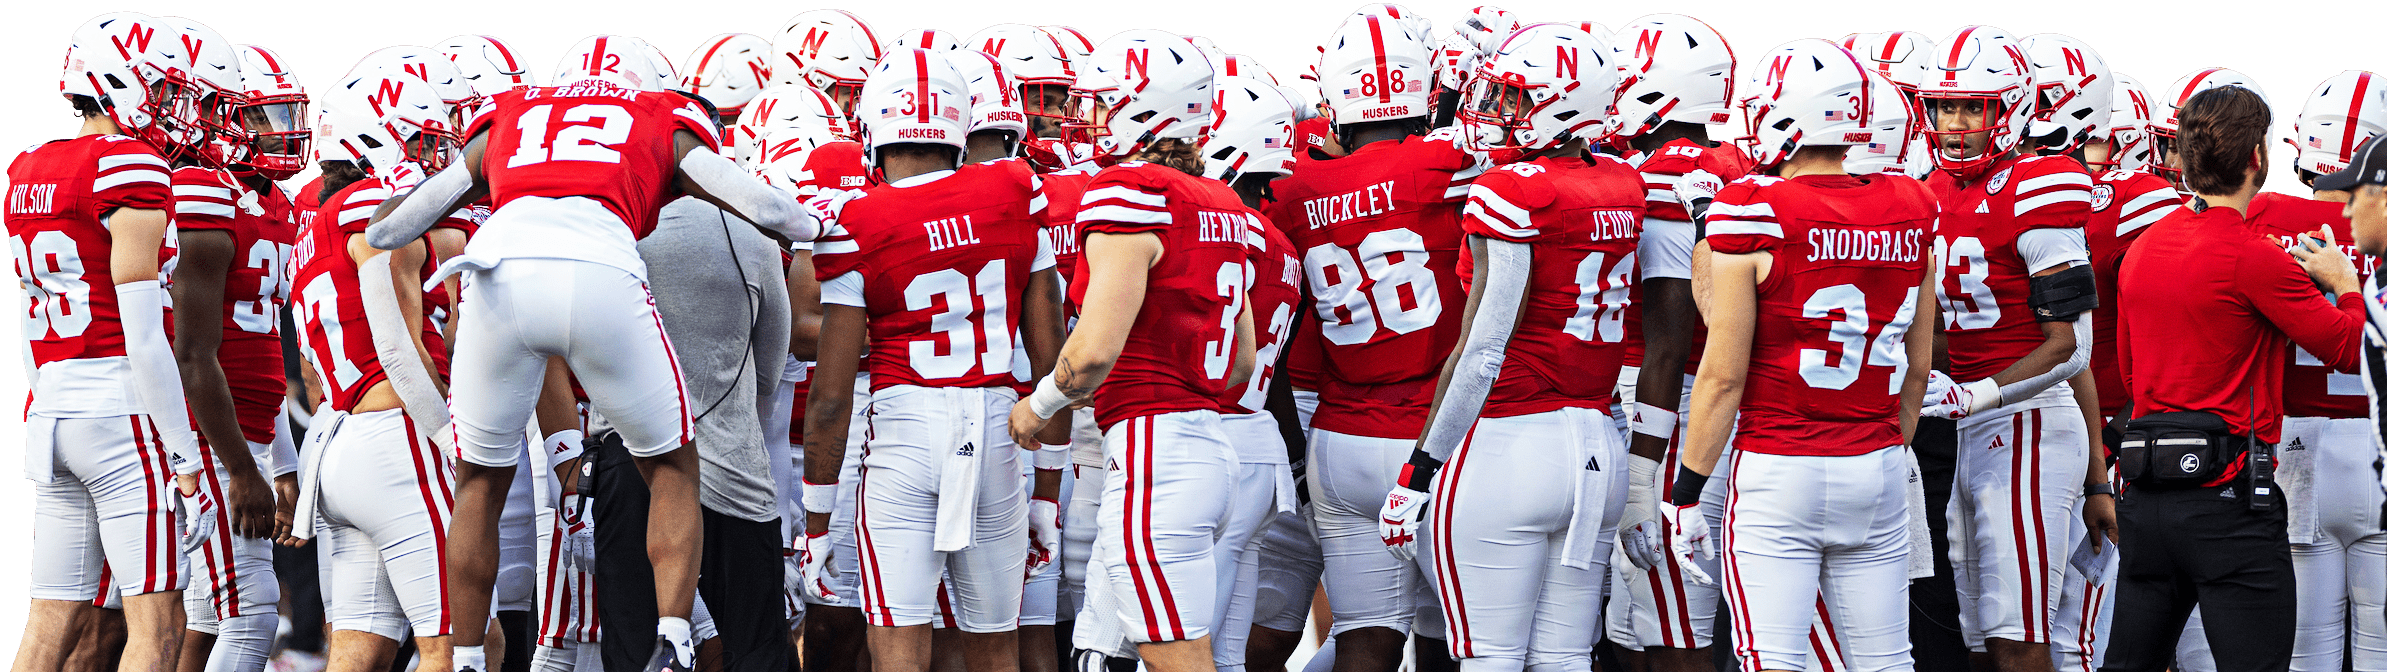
234, 246
941, 489
2164, 125
2016, 291
1818, 493
1678, 77
379, 492
729, 70
1379, 233
2075, 119
2333, 529
1520, 414
555, 273
1899, 57
1039, 61
826, 49
1251, 145
108, 440
1162, 331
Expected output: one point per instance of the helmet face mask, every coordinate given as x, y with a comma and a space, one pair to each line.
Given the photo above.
278, 134
1550, 84
1498, 114
1961, 126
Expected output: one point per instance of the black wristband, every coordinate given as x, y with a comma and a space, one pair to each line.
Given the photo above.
1418, 474
1687, 486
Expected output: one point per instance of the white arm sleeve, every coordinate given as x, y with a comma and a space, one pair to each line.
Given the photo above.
394, 344
424, 207
2042, 249
843, 290
2082, 338
157, 379
284, 453
1503, 272
768, 207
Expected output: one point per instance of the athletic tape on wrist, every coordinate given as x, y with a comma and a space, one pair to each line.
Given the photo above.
1652, 421
1047, 399
819, 498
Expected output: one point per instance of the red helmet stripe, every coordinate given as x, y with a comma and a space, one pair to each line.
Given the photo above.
596, 57
2190, 89
505, 53
1383, 85
1957, 52
921, 99
1889, 45
866, 34
2345, 147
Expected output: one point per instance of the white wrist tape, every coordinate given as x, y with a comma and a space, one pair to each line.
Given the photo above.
564, 445
819, 498
1047, 399
1052, 457
1653, 421
1986, 395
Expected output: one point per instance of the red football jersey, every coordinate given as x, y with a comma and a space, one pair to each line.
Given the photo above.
940, 262
589, 139
60, 195
1062, 192
1378, 232
1984, 286
328, 306
1669, 226
255, 285
2121, 206
354, 214
1272, 285
1828, 355
1583, 219
1182, 344
2312, 389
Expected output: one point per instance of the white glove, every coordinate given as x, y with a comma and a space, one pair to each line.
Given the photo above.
1943, 398
1695, 186
1044, 532
1691, 540
1639, 534
814, 556
1397, 521
198, 517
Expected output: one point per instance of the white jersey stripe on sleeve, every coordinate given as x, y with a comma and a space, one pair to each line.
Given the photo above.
1488, 206
1736, 210
1121, 213
114, 161
2053, 180
2025, 206
1745, 227
198, 208
127, 177
1127, 194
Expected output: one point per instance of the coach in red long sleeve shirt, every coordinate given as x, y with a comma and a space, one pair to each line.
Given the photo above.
2209, 308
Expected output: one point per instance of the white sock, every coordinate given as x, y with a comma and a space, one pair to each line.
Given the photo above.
471, 658
675, 631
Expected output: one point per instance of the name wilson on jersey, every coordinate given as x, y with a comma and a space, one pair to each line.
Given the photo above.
1865, 245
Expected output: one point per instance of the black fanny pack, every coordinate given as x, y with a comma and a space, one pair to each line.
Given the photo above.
2184, 449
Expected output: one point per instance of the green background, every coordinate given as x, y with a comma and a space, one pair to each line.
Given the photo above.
2285, 46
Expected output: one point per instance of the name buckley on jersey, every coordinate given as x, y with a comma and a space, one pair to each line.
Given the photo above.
1368, 201
950, 232
1864, 245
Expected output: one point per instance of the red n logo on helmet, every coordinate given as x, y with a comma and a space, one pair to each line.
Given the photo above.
190, 49
1647, 44
1779, 68
134, 39
2075, 63
389, 93
813, 39
1139, 64
1569, 62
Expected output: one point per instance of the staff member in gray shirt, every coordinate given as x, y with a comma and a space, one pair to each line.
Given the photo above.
717, 283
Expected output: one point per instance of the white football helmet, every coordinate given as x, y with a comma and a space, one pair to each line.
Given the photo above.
273, 110
780, 111
383, 119
2075, 93
994, 100
666, 75
1239, 65
788, 164
913, 96
126, 61
1073, 42
214, 88
729, 70
2131, 145
1676, 69
488, 63
430, 66
1902, 56
1811, 93
926, 38
613, 58
1142, 86
2342, 112
1548, 84
1885, 153
1985, 66
1417, 23
1031, 55
1454, 60
827, 49
1253, 131
2165, 124
1377, 69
